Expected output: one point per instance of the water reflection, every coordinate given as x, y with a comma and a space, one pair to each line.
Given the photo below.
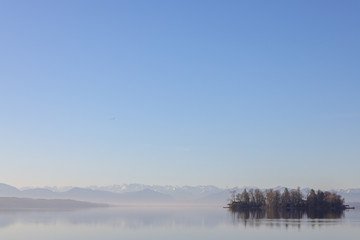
279, 218
129, 218
288, 214
136, 218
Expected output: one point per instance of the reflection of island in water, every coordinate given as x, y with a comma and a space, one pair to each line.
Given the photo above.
286, 214
286, 218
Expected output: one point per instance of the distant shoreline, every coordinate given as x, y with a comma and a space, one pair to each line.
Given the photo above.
14, 203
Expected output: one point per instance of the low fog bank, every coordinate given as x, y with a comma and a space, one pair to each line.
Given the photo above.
28, 203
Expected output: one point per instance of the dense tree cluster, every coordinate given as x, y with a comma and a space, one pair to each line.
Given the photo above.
293, 199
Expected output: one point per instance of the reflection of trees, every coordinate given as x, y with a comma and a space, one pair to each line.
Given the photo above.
248, 216
286, 214
331, 214
257, 217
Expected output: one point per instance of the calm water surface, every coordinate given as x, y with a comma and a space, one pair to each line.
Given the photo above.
170, 223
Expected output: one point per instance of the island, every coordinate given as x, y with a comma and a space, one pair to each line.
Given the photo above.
315, 203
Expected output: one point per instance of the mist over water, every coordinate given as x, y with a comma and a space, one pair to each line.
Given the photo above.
172, 223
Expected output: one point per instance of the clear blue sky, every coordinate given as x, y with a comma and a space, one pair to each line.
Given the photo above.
226, 93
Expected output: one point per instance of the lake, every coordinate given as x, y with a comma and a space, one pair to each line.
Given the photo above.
169, 223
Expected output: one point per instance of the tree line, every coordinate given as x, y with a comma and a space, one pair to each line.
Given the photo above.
288, 199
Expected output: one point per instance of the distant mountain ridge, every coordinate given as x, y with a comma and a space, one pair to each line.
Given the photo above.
86, 194
142, 193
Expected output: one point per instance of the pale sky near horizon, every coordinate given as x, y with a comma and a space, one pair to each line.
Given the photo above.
225, 93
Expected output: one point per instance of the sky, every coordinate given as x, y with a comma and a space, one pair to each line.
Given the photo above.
225, 93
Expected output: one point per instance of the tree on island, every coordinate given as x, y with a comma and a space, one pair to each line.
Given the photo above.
293, 199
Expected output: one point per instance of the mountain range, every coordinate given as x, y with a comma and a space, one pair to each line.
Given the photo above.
146, 194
